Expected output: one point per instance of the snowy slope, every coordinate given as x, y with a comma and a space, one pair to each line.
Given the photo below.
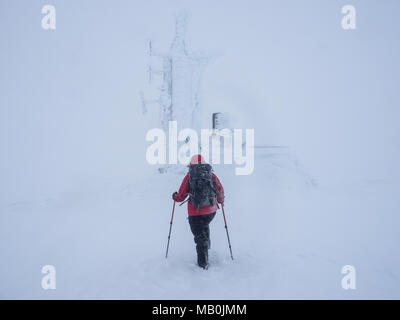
77, 193
289, 241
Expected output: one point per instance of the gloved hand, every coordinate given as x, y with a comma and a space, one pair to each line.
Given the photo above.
173, 195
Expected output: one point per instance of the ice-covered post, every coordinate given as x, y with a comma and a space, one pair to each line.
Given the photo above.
181, 73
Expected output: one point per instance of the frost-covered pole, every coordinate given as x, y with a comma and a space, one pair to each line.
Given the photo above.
181, 74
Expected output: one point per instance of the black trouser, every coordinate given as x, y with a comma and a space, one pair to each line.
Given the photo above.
201, 231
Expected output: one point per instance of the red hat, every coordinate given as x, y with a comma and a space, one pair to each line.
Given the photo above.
198, 158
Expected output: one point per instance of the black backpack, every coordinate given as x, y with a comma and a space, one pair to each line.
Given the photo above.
202, 192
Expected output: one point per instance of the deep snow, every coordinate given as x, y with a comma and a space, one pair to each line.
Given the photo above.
289, 241
77, 193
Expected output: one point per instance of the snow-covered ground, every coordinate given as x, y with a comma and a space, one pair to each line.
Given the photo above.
290, 240
77, 193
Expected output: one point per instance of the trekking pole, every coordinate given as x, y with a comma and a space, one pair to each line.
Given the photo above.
170, 227
227, 233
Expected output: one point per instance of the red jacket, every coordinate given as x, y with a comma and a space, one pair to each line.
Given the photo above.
185, 189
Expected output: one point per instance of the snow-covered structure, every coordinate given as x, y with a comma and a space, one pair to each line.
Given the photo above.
179, 97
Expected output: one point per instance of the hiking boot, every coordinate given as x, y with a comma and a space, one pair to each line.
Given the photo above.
202, 258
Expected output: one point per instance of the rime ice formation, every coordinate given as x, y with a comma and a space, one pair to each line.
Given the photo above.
181, 74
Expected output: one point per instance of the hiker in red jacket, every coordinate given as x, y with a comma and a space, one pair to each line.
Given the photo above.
205, 191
